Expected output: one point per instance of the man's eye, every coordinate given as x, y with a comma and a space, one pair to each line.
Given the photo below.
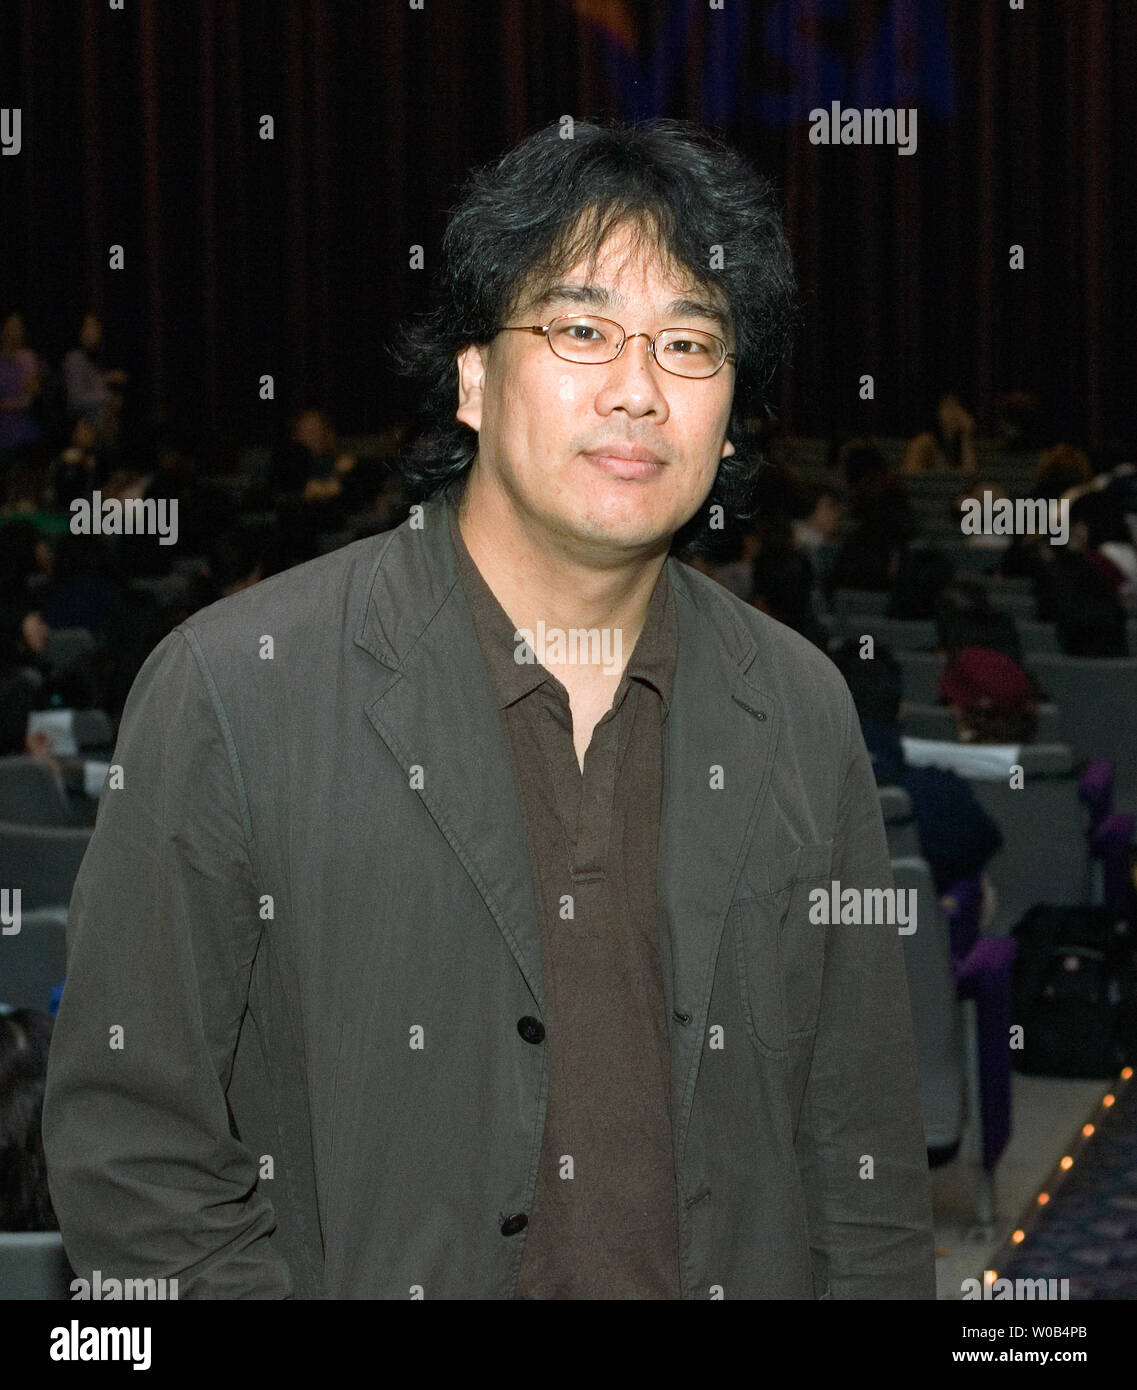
582, 328
686, 347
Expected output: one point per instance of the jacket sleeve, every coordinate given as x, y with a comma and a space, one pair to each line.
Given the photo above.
145, 1175
860, 1141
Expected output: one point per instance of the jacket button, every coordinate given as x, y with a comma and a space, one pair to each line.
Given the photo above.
512, 1224
681, 1017
531, 1029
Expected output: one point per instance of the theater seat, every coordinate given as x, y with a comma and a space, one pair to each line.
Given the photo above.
936, 1015
899, 823
920, 676
1098, 700
32, 794
41, 861
938, 721
33, 1265
35, 959
1044, 858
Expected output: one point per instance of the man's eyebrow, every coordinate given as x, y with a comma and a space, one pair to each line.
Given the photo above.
597, 297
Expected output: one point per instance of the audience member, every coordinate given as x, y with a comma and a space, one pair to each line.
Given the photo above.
310, 463
77, 471
996, 712
1078, 586
94, 393
923, 572
82, 588
882, 524
1099, 531
980, 540
1060, 469
817, 526
948, 445
20, 372
965, 617
25, 1203
1016, 416
957, 837
236, 560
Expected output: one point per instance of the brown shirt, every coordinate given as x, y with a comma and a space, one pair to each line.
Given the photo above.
604, 1223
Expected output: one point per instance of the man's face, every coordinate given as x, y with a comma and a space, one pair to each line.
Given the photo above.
543, 423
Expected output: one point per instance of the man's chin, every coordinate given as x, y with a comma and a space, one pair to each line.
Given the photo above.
623, 530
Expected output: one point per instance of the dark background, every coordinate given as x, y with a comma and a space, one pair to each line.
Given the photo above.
290, 256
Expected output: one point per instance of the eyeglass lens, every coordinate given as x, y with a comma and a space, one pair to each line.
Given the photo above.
684, 351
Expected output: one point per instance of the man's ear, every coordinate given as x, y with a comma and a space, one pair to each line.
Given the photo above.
471, 383
727, 449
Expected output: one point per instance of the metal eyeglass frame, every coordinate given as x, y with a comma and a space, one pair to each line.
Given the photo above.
625, 338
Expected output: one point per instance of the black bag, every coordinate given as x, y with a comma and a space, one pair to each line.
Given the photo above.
1075, 992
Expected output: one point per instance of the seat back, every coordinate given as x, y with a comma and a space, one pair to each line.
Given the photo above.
936, 1017
901, 634
1036, 639
938, 721
32, 794
1098, 700
899, 822
920, 676
1044, 858
33, 1264
41, 861
34, 959
847, 603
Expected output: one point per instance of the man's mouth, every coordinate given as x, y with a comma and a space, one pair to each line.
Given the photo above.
625, 461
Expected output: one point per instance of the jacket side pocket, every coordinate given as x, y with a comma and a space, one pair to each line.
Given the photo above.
781, 954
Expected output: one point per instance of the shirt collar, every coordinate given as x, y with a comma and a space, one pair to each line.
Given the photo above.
653, 660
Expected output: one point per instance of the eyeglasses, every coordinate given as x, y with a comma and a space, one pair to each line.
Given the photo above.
685, 352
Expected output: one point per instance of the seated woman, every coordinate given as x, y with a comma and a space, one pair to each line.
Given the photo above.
948, 446
996, 712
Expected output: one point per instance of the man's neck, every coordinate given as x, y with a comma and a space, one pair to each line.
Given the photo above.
537, 582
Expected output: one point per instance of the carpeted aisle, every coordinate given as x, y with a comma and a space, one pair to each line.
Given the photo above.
1087, 1232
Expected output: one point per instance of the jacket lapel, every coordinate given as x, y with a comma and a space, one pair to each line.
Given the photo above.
721, 734
434, 708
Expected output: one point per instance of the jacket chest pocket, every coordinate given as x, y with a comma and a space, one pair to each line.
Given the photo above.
781, 954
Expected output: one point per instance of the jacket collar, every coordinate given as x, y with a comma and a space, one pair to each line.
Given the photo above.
417, 570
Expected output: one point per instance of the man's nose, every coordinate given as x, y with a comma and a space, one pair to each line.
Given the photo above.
631, 374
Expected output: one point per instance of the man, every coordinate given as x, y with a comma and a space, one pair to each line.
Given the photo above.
453, 910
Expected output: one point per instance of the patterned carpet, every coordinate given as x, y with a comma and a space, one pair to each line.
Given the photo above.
1087, 1232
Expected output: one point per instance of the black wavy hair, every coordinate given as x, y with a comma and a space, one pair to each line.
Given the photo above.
551, 203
